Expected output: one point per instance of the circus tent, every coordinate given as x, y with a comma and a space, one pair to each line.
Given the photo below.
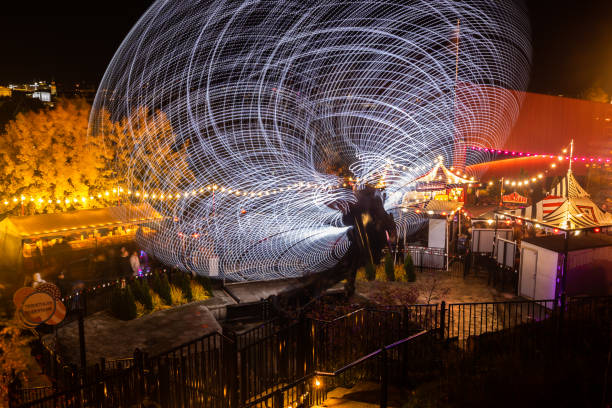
567, 207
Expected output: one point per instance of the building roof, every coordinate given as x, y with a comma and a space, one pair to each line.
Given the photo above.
39, 225
556, 242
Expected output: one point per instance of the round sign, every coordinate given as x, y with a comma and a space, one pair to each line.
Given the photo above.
60, 313
37, 308
21, 294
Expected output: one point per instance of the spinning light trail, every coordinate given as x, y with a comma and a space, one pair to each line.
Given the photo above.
262, 94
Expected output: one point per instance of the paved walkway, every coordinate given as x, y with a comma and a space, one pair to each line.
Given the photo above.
256, 291
444, 285
154, 333
362, 395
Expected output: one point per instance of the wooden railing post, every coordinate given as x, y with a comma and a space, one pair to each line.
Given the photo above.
442, 319
384, 378
164, 381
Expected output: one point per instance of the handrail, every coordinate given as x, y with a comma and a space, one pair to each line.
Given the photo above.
281, 389
368, 356
339, 317
497, 302
189, 343
373, 310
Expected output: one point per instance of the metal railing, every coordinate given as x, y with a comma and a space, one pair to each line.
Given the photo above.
275, 365
385, 354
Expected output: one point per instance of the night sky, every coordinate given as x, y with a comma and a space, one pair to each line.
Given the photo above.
572, 42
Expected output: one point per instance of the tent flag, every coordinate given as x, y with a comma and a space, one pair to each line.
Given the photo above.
514, 198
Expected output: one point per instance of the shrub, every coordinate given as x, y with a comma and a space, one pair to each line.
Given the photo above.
164, 290
156, 282
204, 281
136, 290
183, 282
198, 291
161, 286
409, 268
123, 304
389, 267
140, 289
158, 304
176, 295
370, 271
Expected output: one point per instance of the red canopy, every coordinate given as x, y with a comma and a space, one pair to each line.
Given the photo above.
514, 198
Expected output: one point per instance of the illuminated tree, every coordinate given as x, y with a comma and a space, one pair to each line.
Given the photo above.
46, 157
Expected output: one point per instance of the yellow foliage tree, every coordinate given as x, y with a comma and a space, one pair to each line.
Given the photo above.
49, 163
46, 158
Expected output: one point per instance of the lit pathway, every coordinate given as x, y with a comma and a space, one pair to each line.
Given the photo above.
362, 395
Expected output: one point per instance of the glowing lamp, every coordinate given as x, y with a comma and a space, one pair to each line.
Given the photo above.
596, 229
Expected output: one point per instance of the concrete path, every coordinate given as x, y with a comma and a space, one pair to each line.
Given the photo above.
362, 395
256, 291
154, 333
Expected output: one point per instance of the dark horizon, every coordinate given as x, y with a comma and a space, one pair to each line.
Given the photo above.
572, 44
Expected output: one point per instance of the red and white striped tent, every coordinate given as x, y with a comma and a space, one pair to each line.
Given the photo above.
566, 207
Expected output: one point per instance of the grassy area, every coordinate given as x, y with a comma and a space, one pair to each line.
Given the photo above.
199, 293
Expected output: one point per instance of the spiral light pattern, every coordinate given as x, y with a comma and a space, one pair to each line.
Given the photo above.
280, 101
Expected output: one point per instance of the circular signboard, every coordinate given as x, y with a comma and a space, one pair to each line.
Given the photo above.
37, 308
21, 294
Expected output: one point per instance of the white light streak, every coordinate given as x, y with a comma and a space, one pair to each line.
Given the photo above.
267, 97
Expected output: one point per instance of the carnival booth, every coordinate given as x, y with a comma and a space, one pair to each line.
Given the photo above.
439, 195
486, 230
29, 242
575, 258
589, 266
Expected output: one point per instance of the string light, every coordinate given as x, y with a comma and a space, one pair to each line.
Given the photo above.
541, 155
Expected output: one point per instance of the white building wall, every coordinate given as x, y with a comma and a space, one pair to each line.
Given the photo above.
543, 273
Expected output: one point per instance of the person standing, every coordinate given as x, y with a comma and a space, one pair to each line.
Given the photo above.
125, 268
467, 262
135, 263
37, 280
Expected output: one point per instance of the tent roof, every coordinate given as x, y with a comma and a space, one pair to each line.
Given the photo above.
61, 223
556, 242
437, 207
568, 208
440, 173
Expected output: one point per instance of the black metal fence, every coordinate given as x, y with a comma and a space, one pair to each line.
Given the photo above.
276, 365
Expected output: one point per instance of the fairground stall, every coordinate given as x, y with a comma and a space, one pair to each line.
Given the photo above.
34, 242
566, 249
438, 198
